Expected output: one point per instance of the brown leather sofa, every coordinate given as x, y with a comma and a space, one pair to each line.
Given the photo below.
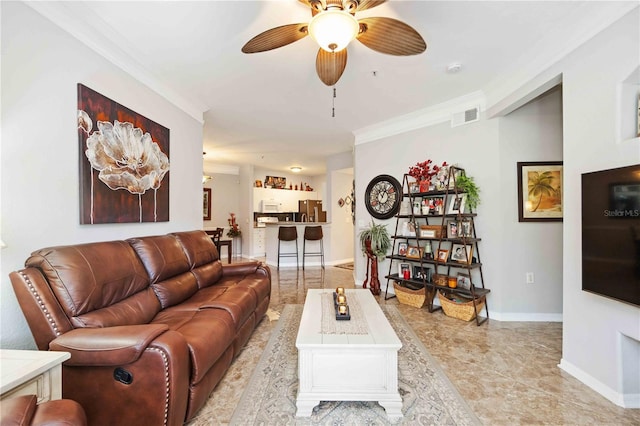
23, 411
152, 323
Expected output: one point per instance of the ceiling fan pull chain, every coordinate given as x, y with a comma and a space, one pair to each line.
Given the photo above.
333, 103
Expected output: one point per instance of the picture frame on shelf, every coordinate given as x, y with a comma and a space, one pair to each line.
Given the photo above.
414, 187
464, 281
462, 253
454, 177
540, 191
456, 204
402, 249
414, 252
420, 273
465, 228
452, 229
402, 267
427, 233
443, 255
276, 182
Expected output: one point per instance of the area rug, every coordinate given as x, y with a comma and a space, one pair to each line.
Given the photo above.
345, 266
429, 398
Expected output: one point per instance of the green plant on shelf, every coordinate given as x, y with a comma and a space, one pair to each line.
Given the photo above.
467, 185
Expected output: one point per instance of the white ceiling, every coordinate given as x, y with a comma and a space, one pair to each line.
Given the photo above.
271, 110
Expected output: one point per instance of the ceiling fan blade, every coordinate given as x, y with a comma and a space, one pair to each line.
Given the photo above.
331, 65
368, 4
390, 36
275, 37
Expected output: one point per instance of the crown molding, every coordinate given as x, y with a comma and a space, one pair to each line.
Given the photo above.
426, 117
70, 17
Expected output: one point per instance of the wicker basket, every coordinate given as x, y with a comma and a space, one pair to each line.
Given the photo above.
441, 280
415, 298
460, 310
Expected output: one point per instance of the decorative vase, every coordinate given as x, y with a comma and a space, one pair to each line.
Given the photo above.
424, 185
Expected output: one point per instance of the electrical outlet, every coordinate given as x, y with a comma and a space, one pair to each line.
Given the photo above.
529, 277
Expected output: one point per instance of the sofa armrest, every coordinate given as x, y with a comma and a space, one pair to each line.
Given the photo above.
243, 268
107, 346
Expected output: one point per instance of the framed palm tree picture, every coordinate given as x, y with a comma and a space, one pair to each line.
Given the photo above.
540, 191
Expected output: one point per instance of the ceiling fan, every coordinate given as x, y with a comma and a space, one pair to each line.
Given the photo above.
333, 25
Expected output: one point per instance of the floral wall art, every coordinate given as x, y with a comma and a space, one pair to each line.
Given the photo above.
124, 163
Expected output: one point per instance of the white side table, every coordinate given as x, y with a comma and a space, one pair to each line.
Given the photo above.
31, 373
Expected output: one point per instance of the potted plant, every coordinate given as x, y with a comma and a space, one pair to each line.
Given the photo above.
234, 228
375, 243
376, 239
467, 185
424, 171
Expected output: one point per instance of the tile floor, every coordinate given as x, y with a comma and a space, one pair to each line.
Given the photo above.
507, 371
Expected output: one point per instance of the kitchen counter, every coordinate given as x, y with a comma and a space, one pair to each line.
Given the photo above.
290, 223
271, 242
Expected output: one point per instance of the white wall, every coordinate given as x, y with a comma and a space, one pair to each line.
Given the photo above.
225, 199
594, 325
601, 337
342, 249
530, 133
41, 66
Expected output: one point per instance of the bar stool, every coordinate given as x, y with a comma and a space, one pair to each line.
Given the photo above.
287, 233
313, 233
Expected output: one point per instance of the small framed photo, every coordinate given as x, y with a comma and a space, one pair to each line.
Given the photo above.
427, 233
462, 253
464, 281
414, 187
414, 252
402, 249
456, 204
402, 267
465, 228
443, 255
420, 273
452, 229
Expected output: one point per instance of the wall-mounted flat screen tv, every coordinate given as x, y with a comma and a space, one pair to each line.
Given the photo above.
611, 233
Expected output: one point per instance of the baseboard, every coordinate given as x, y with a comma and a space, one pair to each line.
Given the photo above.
621, 400
525, 316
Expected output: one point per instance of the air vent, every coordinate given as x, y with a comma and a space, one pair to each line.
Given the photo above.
465, 117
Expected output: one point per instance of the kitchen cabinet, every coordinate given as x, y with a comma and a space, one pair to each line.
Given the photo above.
258, 246
286, 199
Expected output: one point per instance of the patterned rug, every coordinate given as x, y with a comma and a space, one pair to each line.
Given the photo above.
428, 396
345, 266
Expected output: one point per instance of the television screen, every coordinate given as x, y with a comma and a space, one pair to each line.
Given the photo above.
611, 233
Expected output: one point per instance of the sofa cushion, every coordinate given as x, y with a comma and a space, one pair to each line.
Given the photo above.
208, 334
168, 267
86, 277
137, 309
239, 302
203, 256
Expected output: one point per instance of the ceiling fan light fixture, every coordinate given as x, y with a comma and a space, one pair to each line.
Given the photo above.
333, 29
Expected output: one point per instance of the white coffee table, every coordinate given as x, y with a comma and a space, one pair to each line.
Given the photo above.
347, 367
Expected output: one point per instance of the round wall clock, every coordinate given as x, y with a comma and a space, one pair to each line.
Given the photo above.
383, 196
